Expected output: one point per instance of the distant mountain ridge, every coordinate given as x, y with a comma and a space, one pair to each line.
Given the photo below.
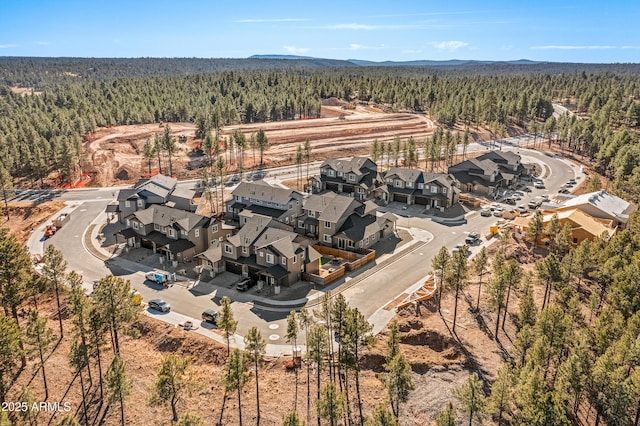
415, 63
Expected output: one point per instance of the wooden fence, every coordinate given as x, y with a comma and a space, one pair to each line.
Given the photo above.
354, 261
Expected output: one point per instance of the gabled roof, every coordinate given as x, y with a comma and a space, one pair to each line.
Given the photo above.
127, 194
405, 174
331, 206
605, 202
356, 227
356, 165
214, 253
509, 157
167, 216
250, 231
261, 190
584, 221
487, 166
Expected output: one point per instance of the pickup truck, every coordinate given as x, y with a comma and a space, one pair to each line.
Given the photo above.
472, 238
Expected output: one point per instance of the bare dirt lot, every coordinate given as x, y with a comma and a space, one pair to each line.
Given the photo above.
115, 156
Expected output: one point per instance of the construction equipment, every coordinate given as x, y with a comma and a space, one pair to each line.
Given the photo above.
49, 230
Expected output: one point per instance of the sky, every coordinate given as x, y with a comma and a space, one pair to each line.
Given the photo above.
396, 30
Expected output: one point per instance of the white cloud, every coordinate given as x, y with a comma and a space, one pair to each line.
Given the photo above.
295, 50
7, 46
449, 45
254, 21
569, 47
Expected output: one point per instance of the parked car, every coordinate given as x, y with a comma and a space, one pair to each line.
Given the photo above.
522, 208
485, 212
244, 284
538, 185
498, 212
563, 191
457, 248
159, 305
159, 277
510, 201
210, 315
494, 206
516, 196
572, 181
544, 197
472, 238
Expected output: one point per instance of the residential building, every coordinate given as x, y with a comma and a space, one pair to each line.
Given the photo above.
509, 164
176, 234
414, 186
480, 176
583, 226
328, 217
357, 177
158, 190
262, 198
602, 205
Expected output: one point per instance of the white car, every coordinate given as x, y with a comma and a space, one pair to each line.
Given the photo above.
522, 208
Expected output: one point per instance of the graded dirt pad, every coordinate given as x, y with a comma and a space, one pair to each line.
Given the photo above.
25, 215
115, 156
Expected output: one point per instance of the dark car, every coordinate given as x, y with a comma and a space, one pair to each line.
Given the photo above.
210, 315
472, 238
244, 284
159, 305
510, 201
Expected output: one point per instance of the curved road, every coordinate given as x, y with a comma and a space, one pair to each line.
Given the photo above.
369, 295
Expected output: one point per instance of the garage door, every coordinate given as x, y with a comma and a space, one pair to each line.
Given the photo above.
332, 186
400, 198
234, 268
422, 200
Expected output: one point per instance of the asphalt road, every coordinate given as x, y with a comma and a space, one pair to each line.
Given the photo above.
369, 295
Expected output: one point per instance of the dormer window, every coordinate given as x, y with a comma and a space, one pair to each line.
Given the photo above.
331, 173
399, 184
352, 178
409, 184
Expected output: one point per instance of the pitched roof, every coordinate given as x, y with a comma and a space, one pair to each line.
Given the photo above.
353, 165
405, 174
605, 202
331, 206
261, 190
213, 253
250, 231
356, 227
583, 220
510, 157
167, 216
487, 166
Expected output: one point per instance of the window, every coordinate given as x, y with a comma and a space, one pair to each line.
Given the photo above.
366, 241
237, 198
373, 237
140, 202
361, 245
184, 233
301, 224
270, 258
127, 204
444, 190
261, 254
290, 205
135, 225
352, 178
389, 180
421, 186
284, 261
128, 223
398, 183
227, 248
409, 184
197, 233
171, 232
339, 174
350, 244
245, 250
434, 189
331, 173
327, 224
286, 219
156, 227
295, 259
326, 238
244, 220
311, 213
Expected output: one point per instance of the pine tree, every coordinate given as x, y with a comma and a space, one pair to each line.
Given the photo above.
174, 382
398, 381
535, 229
79, 360
263, 144
305, 320
225, 321
53, 270
28, 416
117, 384
292, 418
439, 264
393, 341
236, 376
382, 417
149, 153
480, 268
447, 417
355, 337
115, 306
456, 277
39, 339
10, 352
513, 276
317, 351
498, 403
291, 337
169, 145
330, 405
255, 347
471, 398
